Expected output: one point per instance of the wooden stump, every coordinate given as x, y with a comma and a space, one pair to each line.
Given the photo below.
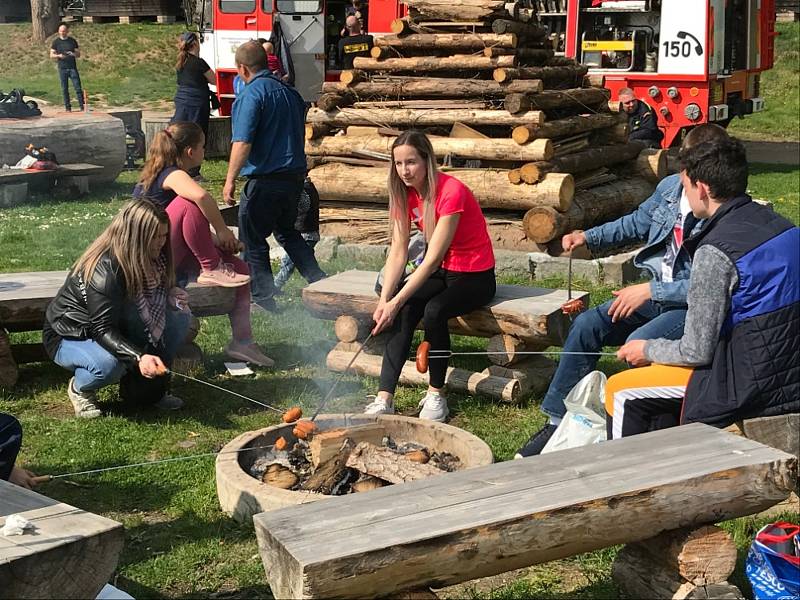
188, 359
8, 366
504, 349
534, 373
194, 329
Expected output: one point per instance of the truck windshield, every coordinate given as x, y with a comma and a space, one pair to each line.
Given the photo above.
298, 7
237, 6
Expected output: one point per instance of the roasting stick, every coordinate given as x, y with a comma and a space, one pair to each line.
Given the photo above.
277, 410
569, 277
45, 478
339, 378
449, 353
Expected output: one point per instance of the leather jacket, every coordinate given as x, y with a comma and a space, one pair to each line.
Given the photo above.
92, 311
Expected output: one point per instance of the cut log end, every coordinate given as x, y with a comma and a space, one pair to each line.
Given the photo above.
542, 224
652, 164
352, 76
349, 329
523, 134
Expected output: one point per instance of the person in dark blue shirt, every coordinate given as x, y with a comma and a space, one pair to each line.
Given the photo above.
268, 149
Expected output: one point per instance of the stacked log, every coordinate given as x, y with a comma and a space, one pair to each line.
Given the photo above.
534, 138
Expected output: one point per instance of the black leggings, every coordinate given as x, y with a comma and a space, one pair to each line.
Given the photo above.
10, 443
445, 295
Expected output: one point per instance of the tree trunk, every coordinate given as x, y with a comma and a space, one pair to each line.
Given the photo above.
701, 556
523, 134
335, 182
589, 208
352, 76
579, 98
427, 64
504, 350
526, 55
482, 149
441, 87
350, 329
652, 164
448, 41
316, 130
551, 75
44, 18
329, 102
329, 473
533, 172
457, 10
439, 104
405, 117
457, 380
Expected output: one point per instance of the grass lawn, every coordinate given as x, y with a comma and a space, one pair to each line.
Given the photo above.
120, 65
178, 543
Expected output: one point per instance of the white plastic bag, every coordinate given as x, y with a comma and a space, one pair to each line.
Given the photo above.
585, 421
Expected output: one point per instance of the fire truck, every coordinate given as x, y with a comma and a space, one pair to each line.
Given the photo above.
694, 62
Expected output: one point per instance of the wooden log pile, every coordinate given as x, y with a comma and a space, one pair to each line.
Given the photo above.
533, 137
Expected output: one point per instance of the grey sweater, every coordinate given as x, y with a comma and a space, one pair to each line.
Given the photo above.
712, 283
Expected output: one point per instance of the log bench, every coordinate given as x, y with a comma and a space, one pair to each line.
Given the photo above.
71, 553
519, 319
16, 183
488, 520
24, 298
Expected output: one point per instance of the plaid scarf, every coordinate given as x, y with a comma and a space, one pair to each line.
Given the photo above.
152, 302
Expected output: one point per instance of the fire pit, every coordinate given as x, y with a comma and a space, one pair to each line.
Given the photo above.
241, 495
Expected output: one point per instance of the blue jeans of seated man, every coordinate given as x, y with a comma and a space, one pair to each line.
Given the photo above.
94, 367
592, 330
286, 267
10, 443
270, 205
65, 75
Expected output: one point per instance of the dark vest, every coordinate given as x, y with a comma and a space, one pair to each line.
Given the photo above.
756, 366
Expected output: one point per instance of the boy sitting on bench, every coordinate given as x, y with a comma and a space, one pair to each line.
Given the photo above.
739, 354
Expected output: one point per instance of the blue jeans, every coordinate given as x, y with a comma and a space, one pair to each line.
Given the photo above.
94, 367
269, 205
287, 266
592, 330
70, 74
10, 443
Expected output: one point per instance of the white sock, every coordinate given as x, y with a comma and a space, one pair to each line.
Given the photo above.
555, 421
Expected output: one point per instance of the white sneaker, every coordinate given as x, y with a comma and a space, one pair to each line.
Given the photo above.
83, 402
379, 406
434, 407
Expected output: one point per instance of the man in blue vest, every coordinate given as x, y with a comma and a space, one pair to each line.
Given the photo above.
268, 147
739, 356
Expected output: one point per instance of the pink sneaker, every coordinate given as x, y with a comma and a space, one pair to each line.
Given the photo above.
249, 353
223, 276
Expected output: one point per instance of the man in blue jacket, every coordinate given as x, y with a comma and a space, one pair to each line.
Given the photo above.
268, 147
656, 309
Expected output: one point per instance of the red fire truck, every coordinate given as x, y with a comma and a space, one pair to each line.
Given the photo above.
694, 62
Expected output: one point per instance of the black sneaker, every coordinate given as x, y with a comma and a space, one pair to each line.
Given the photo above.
536, 442
268, 305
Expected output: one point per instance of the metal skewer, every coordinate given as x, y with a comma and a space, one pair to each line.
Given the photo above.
216, 387
339, 378
569, 277
449, 353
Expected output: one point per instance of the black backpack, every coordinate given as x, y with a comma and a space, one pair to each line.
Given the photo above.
14, 106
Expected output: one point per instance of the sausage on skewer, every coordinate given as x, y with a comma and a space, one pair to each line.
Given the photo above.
422, 357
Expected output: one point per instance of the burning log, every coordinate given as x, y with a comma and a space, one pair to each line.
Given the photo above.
329, 475
327, 444
388, 465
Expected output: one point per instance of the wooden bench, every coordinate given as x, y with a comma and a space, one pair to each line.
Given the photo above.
488, 520
517, 320
15, 183
70, 554
24, 298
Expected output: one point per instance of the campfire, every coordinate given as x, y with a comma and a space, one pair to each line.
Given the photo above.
350, 460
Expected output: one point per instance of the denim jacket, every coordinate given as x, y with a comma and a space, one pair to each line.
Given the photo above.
652, 222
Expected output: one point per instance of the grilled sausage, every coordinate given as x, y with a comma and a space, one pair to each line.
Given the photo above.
291, 415
304, 429
422, 357
572, 307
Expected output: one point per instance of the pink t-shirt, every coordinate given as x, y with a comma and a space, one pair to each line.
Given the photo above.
471, 248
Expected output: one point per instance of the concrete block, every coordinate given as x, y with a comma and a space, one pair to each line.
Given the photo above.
13, 194
358, 252
166, 19
510, 262
326, 248
618, 270
543, 266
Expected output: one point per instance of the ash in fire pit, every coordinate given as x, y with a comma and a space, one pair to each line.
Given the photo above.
343, 461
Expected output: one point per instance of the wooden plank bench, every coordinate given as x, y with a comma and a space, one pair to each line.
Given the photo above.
488, 520
15, 183
517, 320
71, 553
24, 298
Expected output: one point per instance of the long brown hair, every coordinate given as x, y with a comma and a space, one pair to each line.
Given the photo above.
167, 148
398, 191
185, 43
128, 239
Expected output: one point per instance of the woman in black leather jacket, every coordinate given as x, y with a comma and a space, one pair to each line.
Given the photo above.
118, 318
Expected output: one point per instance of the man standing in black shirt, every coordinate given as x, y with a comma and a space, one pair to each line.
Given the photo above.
65, 50
354, 44
642, 120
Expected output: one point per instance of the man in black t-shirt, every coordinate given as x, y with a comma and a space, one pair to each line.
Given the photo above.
354, 44
65, 50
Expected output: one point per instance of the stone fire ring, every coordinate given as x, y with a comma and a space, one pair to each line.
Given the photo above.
242, 496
